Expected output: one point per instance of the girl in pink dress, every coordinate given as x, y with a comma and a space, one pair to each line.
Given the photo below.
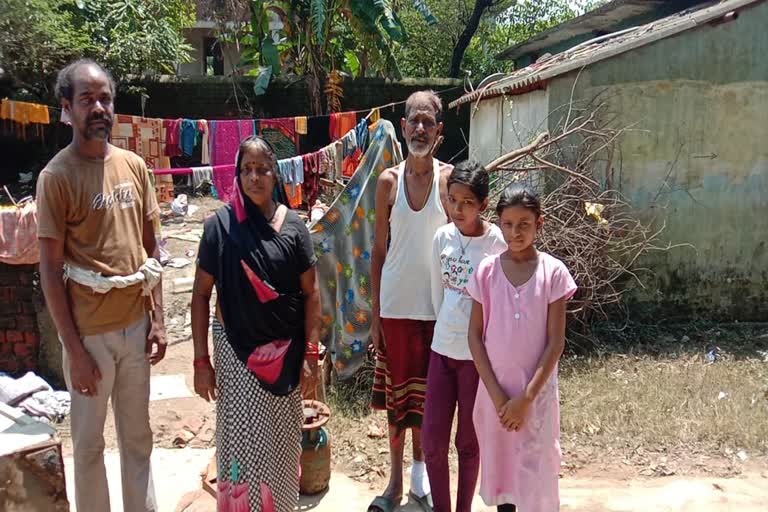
516, 336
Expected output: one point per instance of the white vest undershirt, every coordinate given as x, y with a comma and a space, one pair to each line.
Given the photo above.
405, 277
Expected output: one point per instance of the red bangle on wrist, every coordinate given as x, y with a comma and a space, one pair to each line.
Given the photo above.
312, 351
201, 362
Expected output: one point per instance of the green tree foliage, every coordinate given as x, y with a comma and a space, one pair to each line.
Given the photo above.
429, 50
38, 37
140, 36
318, 38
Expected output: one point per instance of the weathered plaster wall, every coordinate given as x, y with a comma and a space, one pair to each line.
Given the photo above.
696, 160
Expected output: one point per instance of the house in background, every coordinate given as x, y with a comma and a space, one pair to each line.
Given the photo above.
694, 86
212, 56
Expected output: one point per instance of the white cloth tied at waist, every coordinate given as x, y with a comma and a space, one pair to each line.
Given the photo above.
149, 276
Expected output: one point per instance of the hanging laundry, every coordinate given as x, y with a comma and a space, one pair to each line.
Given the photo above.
18, 234
23, 114
301, 125
292, 175
281, 134
374, 116
343, 241
341, 123
297, 165
294, 196
284, 169
205, 154
311, 186
202, 176
350, 153
223, 178
349, 143
172, 128
361, 131
144, 136
338, 159
225, 137
189, 136
317, 136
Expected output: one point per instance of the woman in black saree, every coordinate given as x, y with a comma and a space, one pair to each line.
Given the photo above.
259, 256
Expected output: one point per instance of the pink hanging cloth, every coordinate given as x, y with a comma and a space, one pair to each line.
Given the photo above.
225, 137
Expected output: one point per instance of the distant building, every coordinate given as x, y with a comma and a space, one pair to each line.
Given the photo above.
211, 56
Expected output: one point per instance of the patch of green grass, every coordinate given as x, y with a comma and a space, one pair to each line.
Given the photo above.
666, 393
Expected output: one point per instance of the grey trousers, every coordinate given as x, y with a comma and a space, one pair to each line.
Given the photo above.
124, 366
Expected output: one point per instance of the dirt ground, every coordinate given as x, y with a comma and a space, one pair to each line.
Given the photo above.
640, 416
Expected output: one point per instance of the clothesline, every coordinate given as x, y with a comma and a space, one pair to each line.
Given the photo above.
300, 173
180, 171
370, 110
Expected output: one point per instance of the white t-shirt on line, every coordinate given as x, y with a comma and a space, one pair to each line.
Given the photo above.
450, 273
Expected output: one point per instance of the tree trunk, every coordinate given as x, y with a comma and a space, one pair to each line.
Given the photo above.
316, 75
466, 37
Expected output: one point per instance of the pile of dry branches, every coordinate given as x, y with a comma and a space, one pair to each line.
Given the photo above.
588, 223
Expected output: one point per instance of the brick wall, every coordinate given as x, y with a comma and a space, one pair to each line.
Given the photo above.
19, 333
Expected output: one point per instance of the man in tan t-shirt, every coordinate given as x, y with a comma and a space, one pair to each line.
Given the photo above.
96, 208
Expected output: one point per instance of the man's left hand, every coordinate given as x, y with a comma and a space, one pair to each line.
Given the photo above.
157, 338
309, 379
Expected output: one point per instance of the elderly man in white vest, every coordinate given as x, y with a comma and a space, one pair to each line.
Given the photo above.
410, 207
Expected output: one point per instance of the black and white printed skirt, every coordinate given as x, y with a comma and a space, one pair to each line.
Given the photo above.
258, 437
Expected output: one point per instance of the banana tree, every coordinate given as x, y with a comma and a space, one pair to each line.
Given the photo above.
319, 38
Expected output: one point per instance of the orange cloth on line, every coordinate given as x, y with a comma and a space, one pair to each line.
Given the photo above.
294, 195
39, 114
301, 125
5, 109
374, 116
144, 136
349, 166
24, 113
341, 123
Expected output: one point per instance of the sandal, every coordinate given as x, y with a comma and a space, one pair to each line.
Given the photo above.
425, 502
382, 504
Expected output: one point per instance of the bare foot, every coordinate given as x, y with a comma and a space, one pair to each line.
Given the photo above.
394, 490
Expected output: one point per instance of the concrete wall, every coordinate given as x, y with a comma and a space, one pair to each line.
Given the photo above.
504, 124
508, 123
696, 160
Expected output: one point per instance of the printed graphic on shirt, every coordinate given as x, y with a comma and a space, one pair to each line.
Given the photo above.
456, 271
122, 195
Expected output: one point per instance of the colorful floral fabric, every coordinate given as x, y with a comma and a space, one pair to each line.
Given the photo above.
343, 240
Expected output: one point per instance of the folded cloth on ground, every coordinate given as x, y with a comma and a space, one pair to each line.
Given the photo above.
14, 391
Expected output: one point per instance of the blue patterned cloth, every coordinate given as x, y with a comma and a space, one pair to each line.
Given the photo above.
343, 240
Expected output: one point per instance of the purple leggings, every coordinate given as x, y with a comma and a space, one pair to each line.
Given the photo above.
450, 381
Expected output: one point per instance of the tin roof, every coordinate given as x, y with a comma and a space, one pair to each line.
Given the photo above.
602, 18
604, 47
